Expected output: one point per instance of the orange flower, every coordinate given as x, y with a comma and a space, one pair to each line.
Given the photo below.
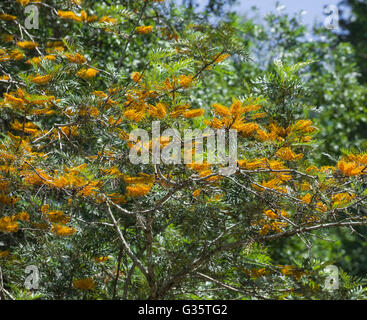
23, 2
221, 57
286, 153
45, 208
37, 60
23, 216
136, 77
321, 206
143, 178
350, 168
84, 284
193, 113
8, 224
7, 37
138, 190
221, 110
62, 230
185, 81
100, 259
68, 15
360, 158
307, 198
4, 254
76, 58
7, 17
342, 199
87, 73
57, 216
251, 165
246, 128
272, 215
41, 80
144, 29
159, 111
108, 20
27, 44
251, 108
216, 123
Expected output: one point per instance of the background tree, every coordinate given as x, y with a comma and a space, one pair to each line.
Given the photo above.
353, 22
102, 227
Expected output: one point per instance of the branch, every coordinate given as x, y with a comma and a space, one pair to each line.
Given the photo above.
131, 254
220, 283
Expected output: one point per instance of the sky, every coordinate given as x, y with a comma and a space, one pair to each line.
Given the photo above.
313, 9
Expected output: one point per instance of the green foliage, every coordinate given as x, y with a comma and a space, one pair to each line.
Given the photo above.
180, 246
354, 25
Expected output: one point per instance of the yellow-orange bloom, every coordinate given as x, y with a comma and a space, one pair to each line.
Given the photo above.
68, 15
84, 284
136, 77
23, 216
246, 128
108, 20
221, 57
272, 215
185, 81
142, 179
87, 73
350, 168
221, 110
286, 153
7, 37
27, 44
8, 224
216, 123
193, 113
57, 216
13, 100
45, 208
159, 111
360, 158
23, 2
341, 199
16, 54
41, 80
138, 190
251, 165
7, 17
259, 115
76, 58
144, 29
250, 108
100, 259
4, 254
62, 230
37, 60
321, 207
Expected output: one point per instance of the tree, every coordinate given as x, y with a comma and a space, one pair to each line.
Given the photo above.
212, 6
100, 225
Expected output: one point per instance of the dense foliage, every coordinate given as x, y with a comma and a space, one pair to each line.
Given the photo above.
354, 24
100, 227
